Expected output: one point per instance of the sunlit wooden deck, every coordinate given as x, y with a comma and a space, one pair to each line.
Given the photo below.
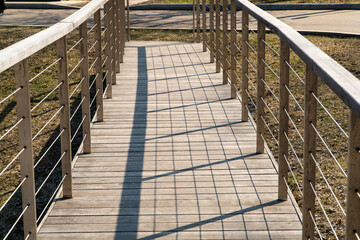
172, 160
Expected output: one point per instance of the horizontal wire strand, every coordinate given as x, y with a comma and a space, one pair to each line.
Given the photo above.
272, 49
77, 108
12, 128
271, 112
77, 130
293, 150
293, 70
296, 101
268, 127
293, 123
47, 123
45, 69
42, 100
10, 95
268, 87
270, 68
12, 161
293, 175
75, 45
76, 88
16, 222
13, 193
76, 66
315, 225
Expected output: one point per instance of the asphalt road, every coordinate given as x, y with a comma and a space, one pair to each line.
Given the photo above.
342, 21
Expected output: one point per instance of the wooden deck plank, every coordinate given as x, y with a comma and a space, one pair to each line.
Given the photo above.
172, 160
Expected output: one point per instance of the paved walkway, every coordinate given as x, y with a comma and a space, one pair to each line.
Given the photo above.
172, 160
346, 21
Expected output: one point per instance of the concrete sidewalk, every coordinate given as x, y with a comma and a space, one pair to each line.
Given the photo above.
324, 21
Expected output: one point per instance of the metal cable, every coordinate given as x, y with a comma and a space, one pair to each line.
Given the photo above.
93, 82
268, 87
327, 183
103, 32
76, 66
16, 222
250, 98
76, 88
11, 196
77, 130
92, 28
327, 147
297, 103
251, 82
12, 128
316, 227
293, 70
269, 67
92, 46
293, 150
293, 175
48, 149
251, 48
94, 98
104, 78
358, 194
44, 70
105, 90
42, 100
93, 63
77, 108
323, 209
250, 29
105, 60
238, 64
74, 46
270, 47
11, 94
293, 123
51, 198
51, 172
357, 236
271, 112
268, 127
237, 47
252, 66
332, 118
47, 123
12, 161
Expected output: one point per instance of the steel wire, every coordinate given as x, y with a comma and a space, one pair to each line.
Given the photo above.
357, 235
51, 198
237, 47
268, 87
12, 161
252, 101
105, 90
272, 49
272, 70
92, 28
48, 149
293, 150
238, 63
75, 45
13, 193
327, 183
104, 78
271, 112
93, 63
250, 64
12, 128
92, 46
293, 175
293, 70
332, 118
251, 29
323, 209
9, 96
42, 100
77, 130
76, 66
16, 222
105, 60
47, 123
251, 48
296, 101
327, 147
76, 88
315, 225
45, 69
268, 127
51, 172
94, 98
293, 123
77, 108
93, 82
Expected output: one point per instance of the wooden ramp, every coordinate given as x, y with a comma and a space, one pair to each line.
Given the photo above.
172, 160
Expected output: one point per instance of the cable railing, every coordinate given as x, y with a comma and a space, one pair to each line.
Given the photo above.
300, 113
43, 131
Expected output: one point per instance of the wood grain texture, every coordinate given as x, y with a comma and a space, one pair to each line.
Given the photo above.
172, 160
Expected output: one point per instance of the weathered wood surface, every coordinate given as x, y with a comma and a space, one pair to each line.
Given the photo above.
172, 160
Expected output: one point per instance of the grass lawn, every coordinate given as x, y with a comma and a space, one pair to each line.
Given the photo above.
344, 50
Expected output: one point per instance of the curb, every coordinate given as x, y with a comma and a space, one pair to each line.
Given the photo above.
188, 7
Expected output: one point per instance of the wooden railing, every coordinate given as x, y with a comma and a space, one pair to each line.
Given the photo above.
265, 76
98, 52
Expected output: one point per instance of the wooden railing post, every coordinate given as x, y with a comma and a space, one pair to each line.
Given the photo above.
98, 68
193, 20
112, 41
353, 187
25, 142
85, 91
204, 36
244, 66
212, 34
260, 88
217, 35
117, 35
128, 19
123, 29
108, 51
198, 38
284, 121
225, 42
309, 148
65, 117
233, 49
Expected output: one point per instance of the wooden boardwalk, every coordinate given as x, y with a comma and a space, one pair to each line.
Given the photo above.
172, 160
